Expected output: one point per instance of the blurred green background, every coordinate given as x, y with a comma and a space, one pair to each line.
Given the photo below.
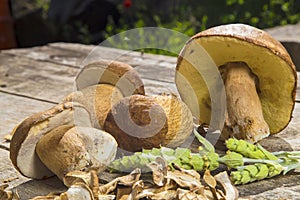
40, 21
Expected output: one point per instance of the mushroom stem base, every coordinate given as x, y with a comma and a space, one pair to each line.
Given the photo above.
244, 116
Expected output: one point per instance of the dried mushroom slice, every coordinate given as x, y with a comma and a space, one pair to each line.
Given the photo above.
27, 134
159, 171
259, 76
78, 191
230, 191
127, 180
88, 178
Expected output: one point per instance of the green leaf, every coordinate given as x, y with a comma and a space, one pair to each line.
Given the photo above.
268, 154
206, 144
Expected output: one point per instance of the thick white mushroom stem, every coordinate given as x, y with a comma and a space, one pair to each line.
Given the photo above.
244, 116
68, 149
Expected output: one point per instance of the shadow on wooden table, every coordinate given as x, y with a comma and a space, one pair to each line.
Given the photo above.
273, 144
35, 188
271, 187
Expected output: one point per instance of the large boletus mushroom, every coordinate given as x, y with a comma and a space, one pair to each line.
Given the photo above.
140, 121
28, 133
101, 84
259, 78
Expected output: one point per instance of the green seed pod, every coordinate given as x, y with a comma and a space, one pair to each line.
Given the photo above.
275, 170
212, 159
263, 171
236, 177
252, 169
232, 159
249, 150
184, 154
255, 172
242, 146
166, 151
197, 162
246, 177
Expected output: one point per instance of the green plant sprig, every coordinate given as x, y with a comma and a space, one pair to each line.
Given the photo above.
183, 157
268, 164
248, 162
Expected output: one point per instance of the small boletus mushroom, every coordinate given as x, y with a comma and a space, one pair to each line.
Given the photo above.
101, 84
27, 134
140, 121
113, 73
258, 74
66, 149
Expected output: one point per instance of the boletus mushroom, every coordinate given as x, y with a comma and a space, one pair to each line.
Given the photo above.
140, 121
60, 140
101, 84
258, 74
26, 135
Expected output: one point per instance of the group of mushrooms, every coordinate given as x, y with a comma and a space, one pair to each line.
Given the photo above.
109, 109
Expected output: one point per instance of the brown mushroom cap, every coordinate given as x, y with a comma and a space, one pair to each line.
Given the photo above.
180, 119
145, 122
28, 133
114, 73
266, 57
98, 100
137, 122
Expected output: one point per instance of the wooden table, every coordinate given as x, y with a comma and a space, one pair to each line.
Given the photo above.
35, 79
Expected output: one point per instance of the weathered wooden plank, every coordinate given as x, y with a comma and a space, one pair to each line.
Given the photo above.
47, 54
115, 52
74, 55
28, 77
153, 87
51, 82
280, 187
13, 110
33, 188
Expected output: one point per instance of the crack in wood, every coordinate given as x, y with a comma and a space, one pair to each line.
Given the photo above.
3, 146
28, 97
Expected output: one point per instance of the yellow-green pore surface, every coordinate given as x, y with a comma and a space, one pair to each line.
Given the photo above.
277, 77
